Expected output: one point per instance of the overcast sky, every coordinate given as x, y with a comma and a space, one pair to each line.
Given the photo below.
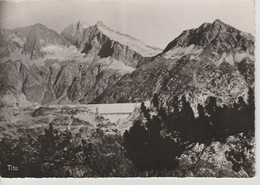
156, 22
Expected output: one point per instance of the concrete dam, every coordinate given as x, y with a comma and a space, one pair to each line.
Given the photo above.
115, 111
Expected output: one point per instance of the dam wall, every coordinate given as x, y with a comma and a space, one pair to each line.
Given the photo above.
113, 111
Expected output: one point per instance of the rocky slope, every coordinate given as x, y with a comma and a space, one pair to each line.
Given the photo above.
35, 41
212, 60
76, 66
103, 42
9, 43
74, 32
107, 66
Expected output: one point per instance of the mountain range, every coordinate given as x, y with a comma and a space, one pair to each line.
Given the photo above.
95, 64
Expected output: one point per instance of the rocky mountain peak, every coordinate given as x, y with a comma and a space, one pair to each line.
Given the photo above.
220, 27
219, 22
214, 59
78, 25
214, 25
217, 34
104, 29
100, 23
25, 31
74, 32
37, 37
39, 26
82, 24
111, 72
128, 41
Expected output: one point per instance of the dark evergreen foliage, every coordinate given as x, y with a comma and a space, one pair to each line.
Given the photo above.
54, 153
157, 142
153, 144
155, 101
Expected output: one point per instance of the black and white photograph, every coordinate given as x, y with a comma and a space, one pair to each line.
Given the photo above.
131, 88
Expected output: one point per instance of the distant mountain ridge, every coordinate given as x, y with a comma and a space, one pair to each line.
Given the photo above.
32, 40
76, 65
212, 60
86, 34
96, 64
217, 39
212, 33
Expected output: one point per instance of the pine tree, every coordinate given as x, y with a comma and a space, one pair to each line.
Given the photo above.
155, 101
167, 135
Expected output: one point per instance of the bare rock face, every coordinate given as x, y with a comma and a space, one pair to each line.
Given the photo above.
73, 81
99, 40
9, 42
218, 34
38, 38
215, 156
108, 55
19, 80
36, 41
74, 32
212, 60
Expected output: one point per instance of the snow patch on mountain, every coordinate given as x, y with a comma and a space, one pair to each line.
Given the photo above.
18, 40
110, 63
178, 52
63, 53
239, 56
51, 49
119, 65
51, 52
226, 58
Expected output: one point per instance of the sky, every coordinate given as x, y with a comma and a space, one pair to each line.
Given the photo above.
155, 22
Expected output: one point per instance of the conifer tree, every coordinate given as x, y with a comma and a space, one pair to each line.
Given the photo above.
155, 101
